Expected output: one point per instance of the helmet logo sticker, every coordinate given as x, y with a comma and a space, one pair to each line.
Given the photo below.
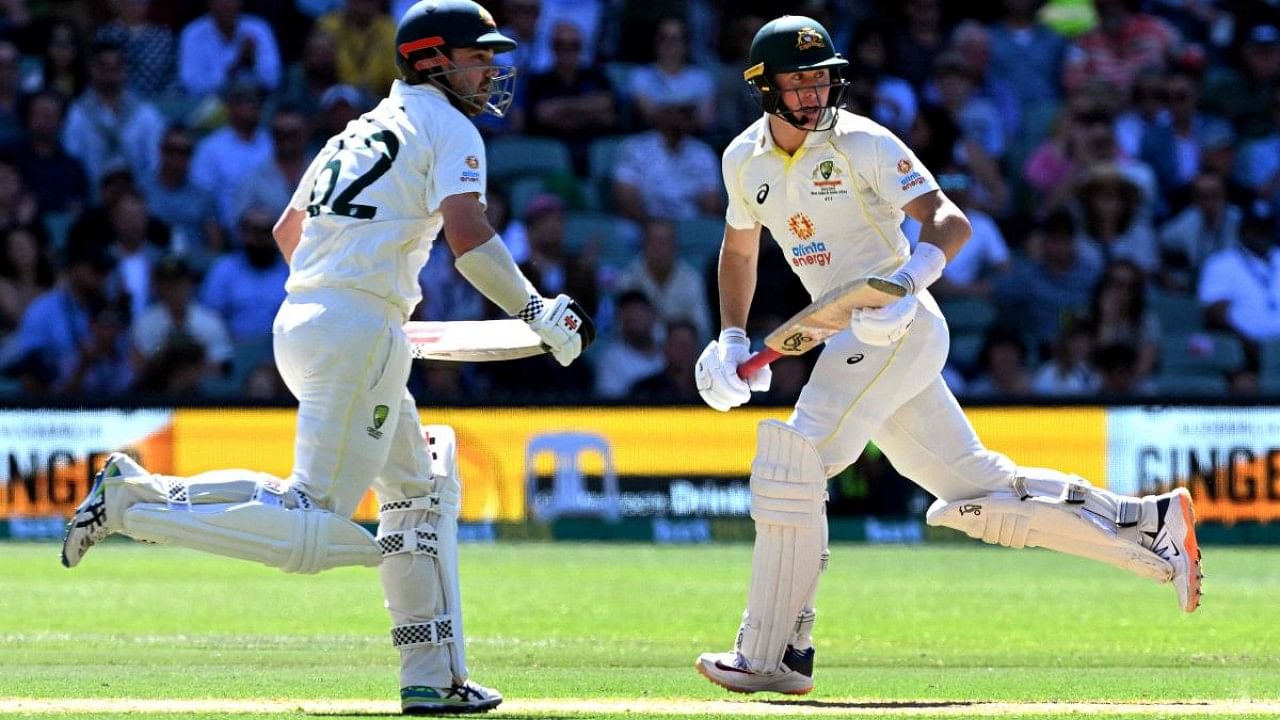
809, 38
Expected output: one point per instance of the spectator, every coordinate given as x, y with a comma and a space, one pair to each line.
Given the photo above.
634, 354
18, 206
339, 105
25, 273
1260, 158
224, 46
1118, 374
974, 114
588, 15
1111, 224
57, 323
671, 81
446, 295
1124, 43
571, 103
271, 184
177, 370
919, 41
10, 106
95, 225
176, 313
1068, 373
308, 78
135, 255
109, 124
671, 285
1053, 283
735, 108
1246, 98
893, 102
63, 68
981, 259
552, 268
521, 26
1002, 366
674, 383
246, 287
1240, 286
971, 44
1209, 224
1144, 125
56, 179
189, 210
365, 43
498, 213
150, 54
102, 367
1120, 315
690, 171
1218, 157
228, 154
1190, 126
936, 139
1026, 56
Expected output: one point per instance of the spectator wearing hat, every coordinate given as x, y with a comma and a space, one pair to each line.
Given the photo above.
150, 54
56, 179
231, 152
189, 210
246, 287
1108, 204
339, 105
1124, 43
56, 325
365, 41
109, 123
1245, 96
551, 267
1240, 286
175, 312
224, 45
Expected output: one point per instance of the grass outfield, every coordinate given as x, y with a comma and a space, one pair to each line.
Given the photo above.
612, 630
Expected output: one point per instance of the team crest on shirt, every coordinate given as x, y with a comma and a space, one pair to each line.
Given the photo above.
809, 38
827, 179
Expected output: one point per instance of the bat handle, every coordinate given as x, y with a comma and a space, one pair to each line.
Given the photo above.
757, 361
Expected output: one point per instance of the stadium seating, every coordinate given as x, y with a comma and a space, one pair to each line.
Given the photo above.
512, 156
1200, 353
698, 240
968, 314
618, 241
1177, 313
1191, 384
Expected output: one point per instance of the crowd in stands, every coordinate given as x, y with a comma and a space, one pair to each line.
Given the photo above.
1119, 161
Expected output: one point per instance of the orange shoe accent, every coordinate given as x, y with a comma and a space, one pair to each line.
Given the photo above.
1192, 547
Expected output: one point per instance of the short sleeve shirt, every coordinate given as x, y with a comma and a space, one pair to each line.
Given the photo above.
835, 206
373, 195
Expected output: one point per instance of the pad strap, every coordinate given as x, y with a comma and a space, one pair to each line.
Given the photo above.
430, 503
419, 541
437, 631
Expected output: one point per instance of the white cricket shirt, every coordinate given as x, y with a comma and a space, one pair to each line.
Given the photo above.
835, 206
373, 195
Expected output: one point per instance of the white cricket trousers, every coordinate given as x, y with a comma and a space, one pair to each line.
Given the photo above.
896, 397
345, 357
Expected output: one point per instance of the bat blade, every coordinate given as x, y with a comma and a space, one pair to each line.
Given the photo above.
472, 340
829, 314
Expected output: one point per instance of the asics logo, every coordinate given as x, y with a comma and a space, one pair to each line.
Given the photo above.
762, 193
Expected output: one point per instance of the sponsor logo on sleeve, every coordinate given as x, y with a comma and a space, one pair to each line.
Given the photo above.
469, 176
910, 177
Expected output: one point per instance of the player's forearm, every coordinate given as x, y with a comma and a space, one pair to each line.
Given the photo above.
737, 278
948, 229
288, 231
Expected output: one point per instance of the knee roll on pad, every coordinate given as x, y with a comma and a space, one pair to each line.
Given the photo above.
418, 539
788, 503
1049, 509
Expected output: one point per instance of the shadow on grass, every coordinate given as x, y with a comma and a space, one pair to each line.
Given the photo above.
877, 704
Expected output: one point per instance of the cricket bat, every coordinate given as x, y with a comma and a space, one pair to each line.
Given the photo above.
821, 319
472, 340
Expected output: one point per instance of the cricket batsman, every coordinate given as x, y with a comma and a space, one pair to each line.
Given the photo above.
832, 187
357, 233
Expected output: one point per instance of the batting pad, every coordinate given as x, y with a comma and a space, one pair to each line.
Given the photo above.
788, 504
274, 527
1049, 509
418, 538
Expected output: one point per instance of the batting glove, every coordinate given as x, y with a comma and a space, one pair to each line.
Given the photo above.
564, 327
886, 325
716, 373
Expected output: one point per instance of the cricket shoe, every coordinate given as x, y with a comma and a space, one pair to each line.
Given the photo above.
89, 524
732, 672
467, 697
1175, 541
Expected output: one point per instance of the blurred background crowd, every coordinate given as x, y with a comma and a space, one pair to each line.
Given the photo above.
1119, 161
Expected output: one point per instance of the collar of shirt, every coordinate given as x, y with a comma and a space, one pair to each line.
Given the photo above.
400, 89
766, 145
